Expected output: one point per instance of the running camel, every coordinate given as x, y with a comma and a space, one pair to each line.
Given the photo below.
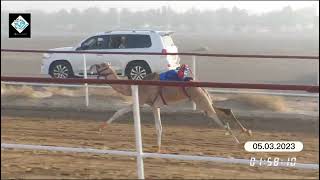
157, 97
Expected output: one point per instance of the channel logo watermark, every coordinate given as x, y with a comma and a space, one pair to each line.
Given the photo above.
19, 25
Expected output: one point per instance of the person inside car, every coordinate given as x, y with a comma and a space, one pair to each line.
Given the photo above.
123, 42
100, 43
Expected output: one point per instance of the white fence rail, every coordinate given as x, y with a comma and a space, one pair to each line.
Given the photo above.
156, 155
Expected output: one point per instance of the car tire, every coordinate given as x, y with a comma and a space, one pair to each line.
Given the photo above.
137, 70
61, 69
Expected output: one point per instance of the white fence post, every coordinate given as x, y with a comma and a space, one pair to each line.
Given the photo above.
317, 74
85, 76
194, 106
137, 127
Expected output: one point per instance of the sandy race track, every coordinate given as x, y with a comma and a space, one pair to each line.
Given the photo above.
182, 139
56, 117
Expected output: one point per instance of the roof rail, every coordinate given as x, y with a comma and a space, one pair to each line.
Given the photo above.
133, 30
165, 33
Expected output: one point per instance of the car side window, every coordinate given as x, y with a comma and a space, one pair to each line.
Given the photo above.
139, 41
117, 42
97, 42
129, 41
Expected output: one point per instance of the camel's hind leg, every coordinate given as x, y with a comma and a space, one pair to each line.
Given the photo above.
229, 113
116, 115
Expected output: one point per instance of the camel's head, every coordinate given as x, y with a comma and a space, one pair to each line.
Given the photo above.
102, 69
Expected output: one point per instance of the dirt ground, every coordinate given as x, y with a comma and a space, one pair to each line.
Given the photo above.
182, 139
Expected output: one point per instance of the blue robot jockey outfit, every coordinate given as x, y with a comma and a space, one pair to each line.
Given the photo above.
180, 74
183, 73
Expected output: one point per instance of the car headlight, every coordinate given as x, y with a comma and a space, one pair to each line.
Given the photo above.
46, 55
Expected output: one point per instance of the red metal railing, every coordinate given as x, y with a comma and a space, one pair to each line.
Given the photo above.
308, 88
158, 53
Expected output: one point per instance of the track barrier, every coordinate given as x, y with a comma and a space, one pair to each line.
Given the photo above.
139, 154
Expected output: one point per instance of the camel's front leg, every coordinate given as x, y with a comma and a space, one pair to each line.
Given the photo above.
157, 119
229, 132
229, 112
212, 114
116, 115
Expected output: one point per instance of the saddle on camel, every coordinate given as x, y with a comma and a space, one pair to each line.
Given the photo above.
182, 73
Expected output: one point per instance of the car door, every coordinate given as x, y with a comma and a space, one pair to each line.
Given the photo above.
96, 43
129, 43
117, 60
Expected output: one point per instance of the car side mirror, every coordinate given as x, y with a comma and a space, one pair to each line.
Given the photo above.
82, 47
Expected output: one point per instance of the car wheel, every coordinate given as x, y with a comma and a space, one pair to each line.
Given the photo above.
61, 70
138, 71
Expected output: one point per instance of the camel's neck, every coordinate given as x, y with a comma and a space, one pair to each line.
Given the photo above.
123, 89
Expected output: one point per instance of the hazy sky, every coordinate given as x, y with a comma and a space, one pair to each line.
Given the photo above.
251, 6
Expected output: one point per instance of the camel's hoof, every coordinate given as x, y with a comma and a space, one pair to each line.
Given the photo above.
237, 141
247, 131
102, 127
210, 124
242, 144
162, 151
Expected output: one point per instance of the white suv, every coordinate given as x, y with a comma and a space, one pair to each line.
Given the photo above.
59, 65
